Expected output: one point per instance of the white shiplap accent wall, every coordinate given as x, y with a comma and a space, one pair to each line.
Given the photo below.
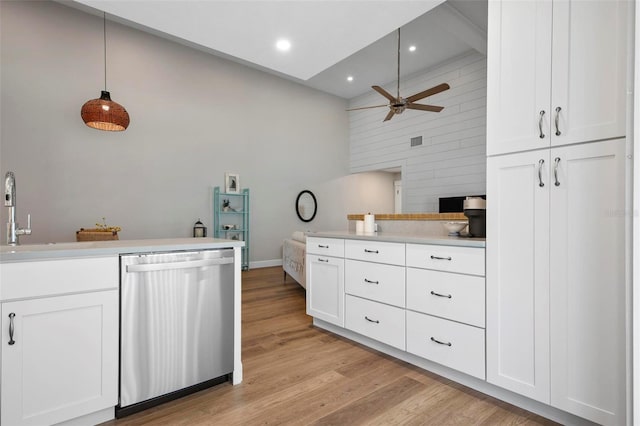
451, 159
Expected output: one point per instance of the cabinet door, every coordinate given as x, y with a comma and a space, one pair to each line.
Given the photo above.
588, 281
589, 70
518, 76
325, 288
64, 360
517, 277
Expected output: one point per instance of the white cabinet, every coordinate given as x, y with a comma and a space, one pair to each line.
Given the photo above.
325, 279
587, 282
377, 321
375, 281
449, 343
60, 350
555, 277
518, 273
556, 73
63, 362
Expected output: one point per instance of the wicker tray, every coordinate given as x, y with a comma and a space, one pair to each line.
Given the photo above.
95, 235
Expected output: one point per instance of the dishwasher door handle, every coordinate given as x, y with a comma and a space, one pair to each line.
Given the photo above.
148, 267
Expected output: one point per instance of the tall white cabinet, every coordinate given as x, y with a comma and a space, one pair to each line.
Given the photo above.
556, 204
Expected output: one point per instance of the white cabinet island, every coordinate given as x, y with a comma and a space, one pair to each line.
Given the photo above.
59, 310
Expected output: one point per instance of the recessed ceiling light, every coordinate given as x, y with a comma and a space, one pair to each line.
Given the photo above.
412, 48
350, 78
283, 45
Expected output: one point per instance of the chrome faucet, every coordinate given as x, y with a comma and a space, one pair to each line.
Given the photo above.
13, 230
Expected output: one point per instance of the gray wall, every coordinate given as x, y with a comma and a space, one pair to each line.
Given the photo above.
451, 160
193, 118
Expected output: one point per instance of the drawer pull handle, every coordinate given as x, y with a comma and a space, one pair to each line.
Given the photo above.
448, 296
440, 258
11, 330
371, 251
440, 343
371, 282
321, 246
540, 124
323, 260
370, 320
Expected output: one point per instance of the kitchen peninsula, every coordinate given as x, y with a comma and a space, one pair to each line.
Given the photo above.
61, 326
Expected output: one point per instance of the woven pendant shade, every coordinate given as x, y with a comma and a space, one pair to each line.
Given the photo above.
104, 114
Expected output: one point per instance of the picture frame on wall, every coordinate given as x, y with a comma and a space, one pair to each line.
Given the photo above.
231, 183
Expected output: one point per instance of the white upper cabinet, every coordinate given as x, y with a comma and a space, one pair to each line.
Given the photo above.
556, 73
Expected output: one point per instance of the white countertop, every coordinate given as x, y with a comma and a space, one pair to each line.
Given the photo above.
395, 237
104, 248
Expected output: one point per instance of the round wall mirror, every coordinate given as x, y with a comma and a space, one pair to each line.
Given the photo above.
306, 206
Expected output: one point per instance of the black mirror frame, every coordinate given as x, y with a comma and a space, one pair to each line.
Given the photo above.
315, 205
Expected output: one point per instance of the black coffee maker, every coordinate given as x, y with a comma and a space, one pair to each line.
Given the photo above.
475, 209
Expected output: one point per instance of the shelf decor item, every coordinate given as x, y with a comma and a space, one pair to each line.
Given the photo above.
103, 113
231, 183
199, 230
231, 218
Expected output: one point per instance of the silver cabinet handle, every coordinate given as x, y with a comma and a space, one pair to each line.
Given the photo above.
371, 282
371, 251
440, 258
540, 124
11, 341
440, 343
370, 320
323, 260
148, 267
540, 164
321, 246
558, 133
555, 171
448, 296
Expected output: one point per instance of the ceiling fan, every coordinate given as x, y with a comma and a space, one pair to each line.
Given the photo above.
398, 104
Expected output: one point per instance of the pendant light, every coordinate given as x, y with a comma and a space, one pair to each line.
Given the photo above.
103, 113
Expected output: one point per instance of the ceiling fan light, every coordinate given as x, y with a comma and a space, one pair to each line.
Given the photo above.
105, 114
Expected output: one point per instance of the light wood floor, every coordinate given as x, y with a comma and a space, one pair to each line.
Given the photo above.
297, 374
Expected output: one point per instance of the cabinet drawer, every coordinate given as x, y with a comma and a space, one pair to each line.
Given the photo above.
375, 251
465, 260
375, 320
40, 278
443, 294
460, 346
375, 281
326, 246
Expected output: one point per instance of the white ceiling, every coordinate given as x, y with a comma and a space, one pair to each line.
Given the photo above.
330, 39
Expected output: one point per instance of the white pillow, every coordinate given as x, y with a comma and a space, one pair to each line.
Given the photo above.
299, 236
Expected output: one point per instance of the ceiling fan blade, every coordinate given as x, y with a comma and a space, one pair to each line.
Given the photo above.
431, 108
389, 116
384, 93
375, 106
429, 92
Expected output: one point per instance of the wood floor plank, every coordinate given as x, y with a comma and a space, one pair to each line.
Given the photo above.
297, 374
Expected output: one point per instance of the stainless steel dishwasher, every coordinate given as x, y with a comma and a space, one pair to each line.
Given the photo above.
176, 325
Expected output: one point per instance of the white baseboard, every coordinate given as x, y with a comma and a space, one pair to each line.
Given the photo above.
265, 263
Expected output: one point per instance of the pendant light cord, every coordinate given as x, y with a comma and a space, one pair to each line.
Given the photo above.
104, 30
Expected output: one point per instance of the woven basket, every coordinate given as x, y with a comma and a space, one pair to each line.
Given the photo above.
95, 235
